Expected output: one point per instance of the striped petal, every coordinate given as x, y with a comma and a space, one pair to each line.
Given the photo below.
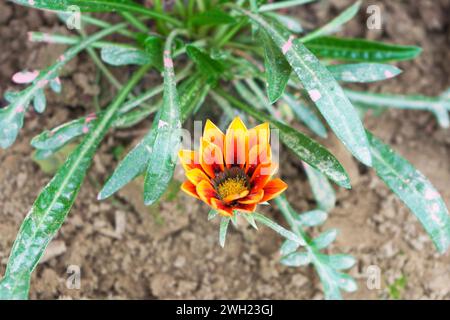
196, 175
213, 134
262, 175
252, 198
233, 197
259, 135
190, 189
189, 159
236, 143
221, 207
211, 158
246, 207
273, 188
206, 191
259, 154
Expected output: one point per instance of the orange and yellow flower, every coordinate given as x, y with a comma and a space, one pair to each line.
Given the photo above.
232, 171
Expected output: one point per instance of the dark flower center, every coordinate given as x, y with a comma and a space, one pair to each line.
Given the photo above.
230, 182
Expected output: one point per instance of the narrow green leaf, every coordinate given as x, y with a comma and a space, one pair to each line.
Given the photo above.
290, 23
324, 239
323, 90
97, 6
277, 69
282, 5
55, 85
212, 17
334, 24
278, 229
212, 214
363, 72
353, 49
224, 222
439, 106
306, 115
414, 189
321, 188
53, 204
296, 259
210, 67
39, 101
250, 219
154, 48
305, 148
122, 56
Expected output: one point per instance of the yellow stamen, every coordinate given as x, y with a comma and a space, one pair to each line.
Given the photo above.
232, 186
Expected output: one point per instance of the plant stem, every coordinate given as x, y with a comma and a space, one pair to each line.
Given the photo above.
138, 24
278, 229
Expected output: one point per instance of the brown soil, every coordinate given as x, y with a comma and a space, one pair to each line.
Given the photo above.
126, 250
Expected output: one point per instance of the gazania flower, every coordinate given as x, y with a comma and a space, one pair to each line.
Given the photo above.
232, 171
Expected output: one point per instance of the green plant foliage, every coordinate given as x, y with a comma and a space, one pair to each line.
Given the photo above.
363, 72
360, 50
121, 56
210, 67
414, 189
323, 90
211, 18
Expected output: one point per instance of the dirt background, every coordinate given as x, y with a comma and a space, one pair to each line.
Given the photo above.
126, 250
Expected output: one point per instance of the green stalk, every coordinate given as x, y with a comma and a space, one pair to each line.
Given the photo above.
135, 22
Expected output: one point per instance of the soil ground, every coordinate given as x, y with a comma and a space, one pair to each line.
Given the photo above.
127, 250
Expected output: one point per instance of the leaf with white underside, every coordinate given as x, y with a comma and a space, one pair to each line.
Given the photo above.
282, 5
277, 69
363, 72
54, 203
224, 222
306, 115
323, 90
414, 189
321, 188
360, 50
122, 56
439, 106
334, 24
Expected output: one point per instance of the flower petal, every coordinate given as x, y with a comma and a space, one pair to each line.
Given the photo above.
189, 159
196, 175
259, 154
190, 189
273, 188
211, 158
246, 207
223, 209
233, 197
236, 143
262, 175
252, 198
206, 191
259, 135
213, 134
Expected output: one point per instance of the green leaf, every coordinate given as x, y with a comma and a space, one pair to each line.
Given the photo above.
53, 204
39, 101
224, 222
212, 214
277, 69
321, 188
282, 5
154, 48
122, 56
353, 49
97, 6
290, 23
212, 17
296, 259
414, 189
11, 117
325, 239
250, 219
363, 72
304, 147
136, 161
312, 218
288, 247
55, 85
341, 261
439, 106
306, 115
278, 229
323, 90
334, 24
210, 67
